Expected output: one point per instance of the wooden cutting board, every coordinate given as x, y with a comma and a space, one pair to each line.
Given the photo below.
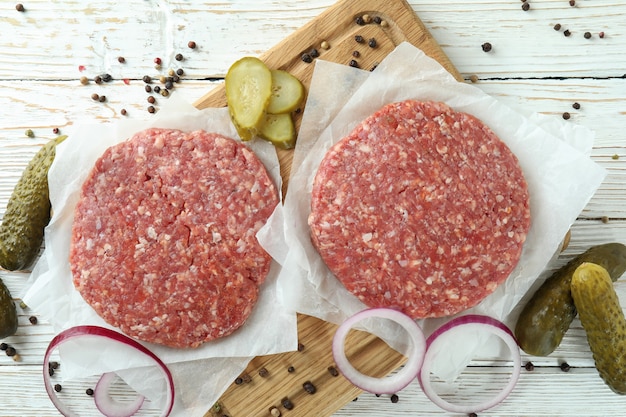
269, 380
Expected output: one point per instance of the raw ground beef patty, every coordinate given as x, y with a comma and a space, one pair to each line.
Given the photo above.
420, 208
163, 241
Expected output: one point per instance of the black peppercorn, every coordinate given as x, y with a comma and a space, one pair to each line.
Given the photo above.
309, 387
486, 47
372, 43
58, 387
360, 21
157, 89
291, 369
359, 39
148, 89
3, 346
95, 97
191, 45
89, 391
147, 79
124, 112
576, 105
472, 415
19, 7
263, 372
377, 20
169, 84
50, 371
333, 371
300, 347
529, 366
565, 367
356, 54
238, 380
566, 32
54, 365
98, 79
525, 7
306, 58
151, 109
286, 402
179, 57
566, 115
10, 351
314, 53
176, 79
394, 398
572, 3
121, 59
587, 35
180, 71
102, 99
557, 27
246, 378
33, 319
354, 64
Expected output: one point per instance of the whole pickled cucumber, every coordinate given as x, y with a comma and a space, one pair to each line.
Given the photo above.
602, 318
8, 313
549, 313
27, 212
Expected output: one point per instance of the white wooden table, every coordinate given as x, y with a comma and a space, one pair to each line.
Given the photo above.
47, 48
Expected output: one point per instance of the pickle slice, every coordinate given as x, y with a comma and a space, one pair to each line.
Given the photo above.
287, 93
280, 130
248, 90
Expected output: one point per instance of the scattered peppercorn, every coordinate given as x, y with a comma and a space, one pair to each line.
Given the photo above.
333, 371
367, 18
180, 71
373, 67
157, 61
354, 64
84, 80
377, 20
191, 45
29, 133
566, 115
147, 79
157, 89
360, 21
238, 380
359, 39
58, 387
291, 369
10, 351
572, 3
525, 7
565, 367
151, 99
54, 365
169, 84
601, 35
529, 366
89, 391
473, 78
121, 59
97, 79
148, 88
55, 130
274, 412
306, 58
615, 157
179, 57
325, 45
23, 305
162, 79
95, 97
356, 54
32, 319
176, 79
314, 53
50, 371
355, 399
472, 415
372, 43
165, 93
394, 398
486, 47
286, 402
587, 35
300, 347
604, 219
566, 32
384, 23
19, 7
3, 346
263, 372
124, 112
151, 109
103, 99
309, 387
557, 27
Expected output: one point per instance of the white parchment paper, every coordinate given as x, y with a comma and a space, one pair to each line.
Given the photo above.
214, 365
553, 155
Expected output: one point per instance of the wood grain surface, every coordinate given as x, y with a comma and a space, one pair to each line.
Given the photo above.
45, 50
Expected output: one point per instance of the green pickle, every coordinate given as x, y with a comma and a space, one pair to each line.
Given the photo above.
602, 318
27, 212
8, 313
546, 318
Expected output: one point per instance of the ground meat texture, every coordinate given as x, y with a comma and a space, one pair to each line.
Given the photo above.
163, 242
420, 208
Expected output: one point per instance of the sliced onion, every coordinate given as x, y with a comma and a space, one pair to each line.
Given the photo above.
107, 405
437, 341
83, 331
390, 384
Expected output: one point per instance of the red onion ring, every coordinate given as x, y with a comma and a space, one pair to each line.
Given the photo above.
435, 343
82, 331
385, 385
107, 405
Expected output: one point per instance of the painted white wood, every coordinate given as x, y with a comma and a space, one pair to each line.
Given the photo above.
531, 67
